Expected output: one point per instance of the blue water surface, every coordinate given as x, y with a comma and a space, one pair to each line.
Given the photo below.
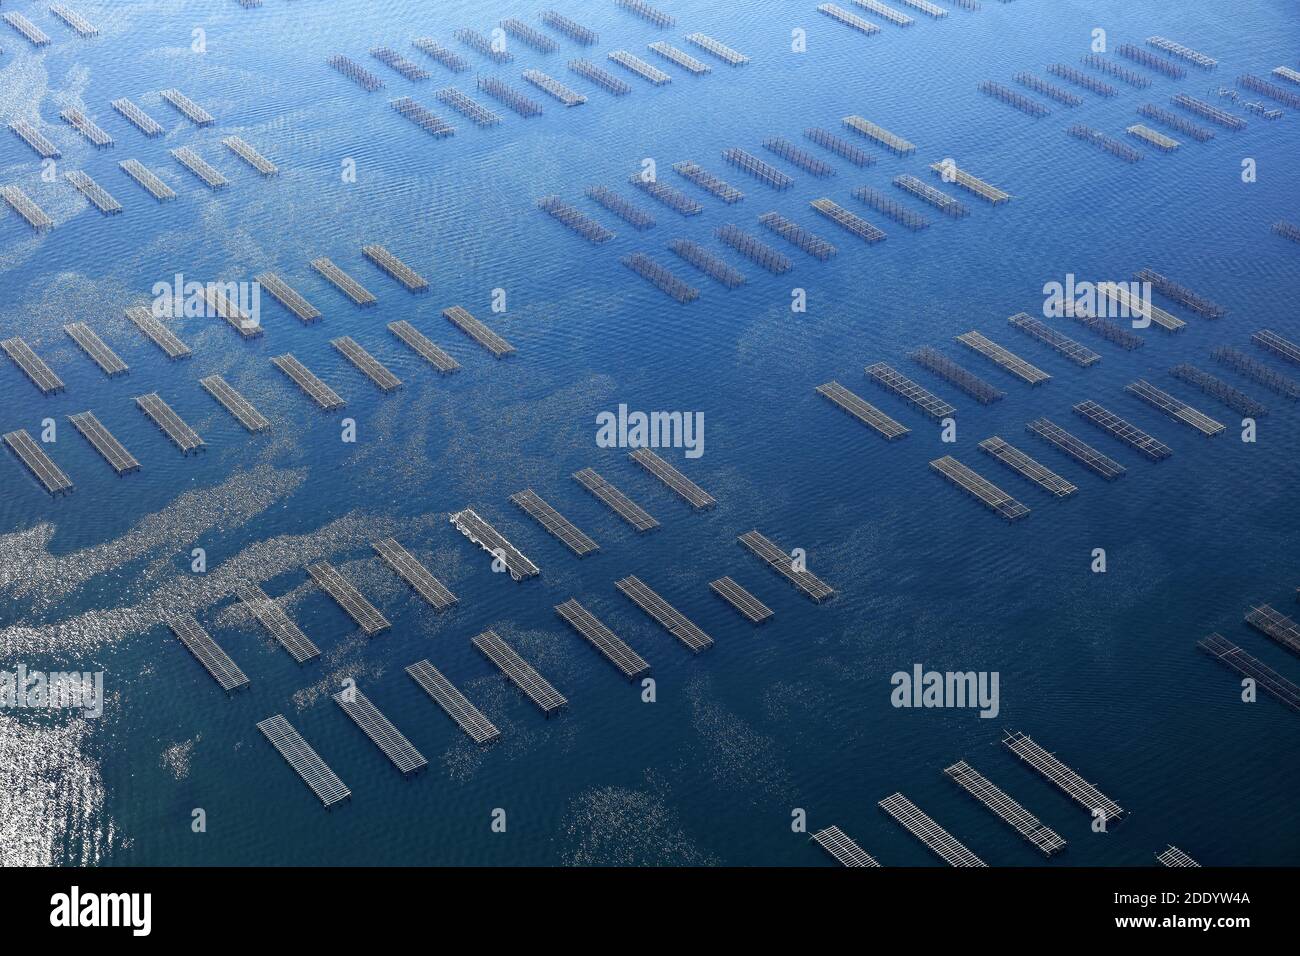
1100, 668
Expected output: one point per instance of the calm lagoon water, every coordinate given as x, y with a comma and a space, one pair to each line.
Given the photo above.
1100, 668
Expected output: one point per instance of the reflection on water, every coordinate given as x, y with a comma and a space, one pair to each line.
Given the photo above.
1100, 668
52, 802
